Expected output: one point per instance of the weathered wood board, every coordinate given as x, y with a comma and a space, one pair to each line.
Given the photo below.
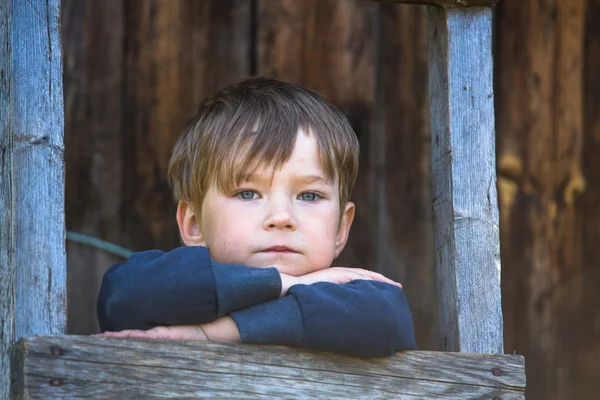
399, 158
465, 205
32, 226
105, 368
549, 184
133, 74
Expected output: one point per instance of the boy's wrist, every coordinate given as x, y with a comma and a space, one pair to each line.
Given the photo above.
222, 329
287, 281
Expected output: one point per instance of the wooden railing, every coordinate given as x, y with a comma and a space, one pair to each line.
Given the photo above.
50, 367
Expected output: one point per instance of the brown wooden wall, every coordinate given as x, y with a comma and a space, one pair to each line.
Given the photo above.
135, 69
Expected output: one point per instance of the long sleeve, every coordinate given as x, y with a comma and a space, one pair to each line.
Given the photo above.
180, 287
361, 318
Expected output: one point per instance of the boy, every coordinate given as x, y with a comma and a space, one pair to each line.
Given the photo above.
262, 175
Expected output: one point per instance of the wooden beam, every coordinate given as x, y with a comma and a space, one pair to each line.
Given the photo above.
32, 228
106, 368
446, 3
465, 205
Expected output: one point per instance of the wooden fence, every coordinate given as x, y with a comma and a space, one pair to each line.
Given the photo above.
32, 289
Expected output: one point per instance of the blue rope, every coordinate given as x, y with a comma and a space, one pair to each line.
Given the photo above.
100, 244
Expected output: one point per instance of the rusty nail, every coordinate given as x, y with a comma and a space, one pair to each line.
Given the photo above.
57, 382
497, 372
57, 351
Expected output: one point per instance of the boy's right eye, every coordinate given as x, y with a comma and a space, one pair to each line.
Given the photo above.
247, 195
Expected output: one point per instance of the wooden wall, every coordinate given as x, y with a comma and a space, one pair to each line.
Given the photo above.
548, 103
135, 69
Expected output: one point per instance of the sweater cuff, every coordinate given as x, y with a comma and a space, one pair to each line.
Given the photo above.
239, 287
275, 322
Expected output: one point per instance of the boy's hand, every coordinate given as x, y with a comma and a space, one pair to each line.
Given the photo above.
223, 329
182, 332
338, 275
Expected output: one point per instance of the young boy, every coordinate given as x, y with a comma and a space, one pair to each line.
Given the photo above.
263, 175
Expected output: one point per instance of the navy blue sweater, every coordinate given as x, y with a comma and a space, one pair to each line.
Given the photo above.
185, 286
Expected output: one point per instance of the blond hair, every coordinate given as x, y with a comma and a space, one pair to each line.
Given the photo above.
254, 123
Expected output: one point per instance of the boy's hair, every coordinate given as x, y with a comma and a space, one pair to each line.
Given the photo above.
254, 123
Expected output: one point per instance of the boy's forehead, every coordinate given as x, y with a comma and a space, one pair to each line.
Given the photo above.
305, 163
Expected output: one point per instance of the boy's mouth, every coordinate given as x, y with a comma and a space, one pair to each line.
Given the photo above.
280, 249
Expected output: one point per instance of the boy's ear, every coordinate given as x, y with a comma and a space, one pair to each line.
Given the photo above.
344, 228
189, 225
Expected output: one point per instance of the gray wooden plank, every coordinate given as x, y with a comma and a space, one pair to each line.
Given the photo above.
32, 254
95, 367
465, 209
446, 3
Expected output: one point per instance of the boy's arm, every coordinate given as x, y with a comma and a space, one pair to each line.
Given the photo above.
361, 318
180, 287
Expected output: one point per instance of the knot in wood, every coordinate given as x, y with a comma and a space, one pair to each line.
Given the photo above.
57, 382
38, 140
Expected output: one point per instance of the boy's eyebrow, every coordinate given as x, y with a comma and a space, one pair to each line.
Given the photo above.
308, 179
302, 179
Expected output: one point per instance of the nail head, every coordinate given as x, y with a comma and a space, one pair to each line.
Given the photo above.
57, 382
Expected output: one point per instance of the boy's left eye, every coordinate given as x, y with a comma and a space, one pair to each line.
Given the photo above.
309, 196
247, 194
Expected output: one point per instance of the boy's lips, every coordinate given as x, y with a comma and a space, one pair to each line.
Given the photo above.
279, 249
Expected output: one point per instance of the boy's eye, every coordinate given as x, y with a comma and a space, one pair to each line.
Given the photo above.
309, 196
247, 194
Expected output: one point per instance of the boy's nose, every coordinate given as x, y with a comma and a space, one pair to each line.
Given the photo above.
280, 219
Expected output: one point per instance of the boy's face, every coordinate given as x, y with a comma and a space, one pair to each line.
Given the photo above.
291, 221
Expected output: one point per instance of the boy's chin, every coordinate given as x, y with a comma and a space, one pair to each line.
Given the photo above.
294, 264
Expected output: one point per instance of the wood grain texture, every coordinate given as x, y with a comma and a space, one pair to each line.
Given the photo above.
32, 226
404, 240
134, 73
465, 210
328, 46
76, 367
549, 195
583, 378
585, 382
170, 47
92, 34
445, 3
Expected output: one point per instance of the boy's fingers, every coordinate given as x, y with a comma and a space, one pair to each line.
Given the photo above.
379, 277
141, 335
124, 333
113, 334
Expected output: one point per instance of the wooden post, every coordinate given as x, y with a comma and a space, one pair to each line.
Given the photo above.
32, 228
465, 205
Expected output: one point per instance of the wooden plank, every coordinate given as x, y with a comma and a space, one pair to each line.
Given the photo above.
583, 372
405, 233
465, 210
548, 169
92, 39
177, 53
445, 3
329, 46
104, 368
134, 72
32, 255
